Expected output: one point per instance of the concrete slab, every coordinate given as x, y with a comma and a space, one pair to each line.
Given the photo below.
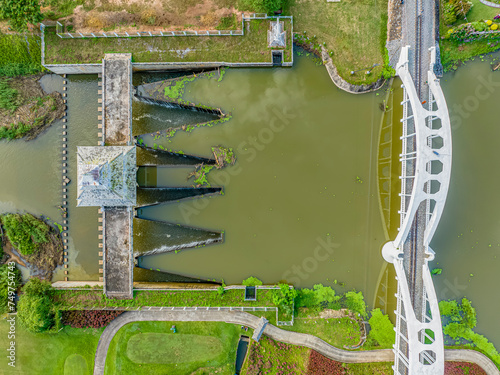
118, 263
117, 98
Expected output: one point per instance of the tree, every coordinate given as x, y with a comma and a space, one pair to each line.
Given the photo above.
382, 330
251, 281
34, 306
284, 297
355, 302
324, 295
21, 12
468, 313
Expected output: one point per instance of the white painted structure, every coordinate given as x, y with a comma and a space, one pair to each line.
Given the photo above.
419, 347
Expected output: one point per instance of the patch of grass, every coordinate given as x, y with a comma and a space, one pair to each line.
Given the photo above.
336, 332
20, 55
480, 12
80, 299
51, 353
352, 29
8, 96
272, 357
383, 368
228, 23
453, 53
152, 348
252, 47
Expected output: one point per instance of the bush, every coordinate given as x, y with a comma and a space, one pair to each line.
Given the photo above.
20, 13
449, 14
284, 297
319, 365
88, 318
460, 7
25, 232
355, 302
251, 281
14, 280
382, 330
34, 306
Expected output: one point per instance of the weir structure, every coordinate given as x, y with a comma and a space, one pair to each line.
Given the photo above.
425, 176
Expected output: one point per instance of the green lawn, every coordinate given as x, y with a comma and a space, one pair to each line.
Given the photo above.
480, 12
78, 299
152, 348
251, 47
69, 352
383, 368
354, 30
336, 332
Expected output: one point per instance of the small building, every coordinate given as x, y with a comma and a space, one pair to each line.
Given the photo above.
276, 36
107, 176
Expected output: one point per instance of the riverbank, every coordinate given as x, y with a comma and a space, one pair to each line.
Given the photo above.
33, 242
25, 109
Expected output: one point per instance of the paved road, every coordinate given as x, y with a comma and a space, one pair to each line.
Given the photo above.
249, 320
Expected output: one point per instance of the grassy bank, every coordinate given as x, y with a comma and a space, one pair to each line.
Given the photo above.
252, 47
153, 348
454, 53
20, 55
70, 351
352, 30
80, 299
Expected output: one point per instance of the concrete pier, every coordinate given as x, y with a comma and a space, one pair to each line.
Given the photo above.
117, 98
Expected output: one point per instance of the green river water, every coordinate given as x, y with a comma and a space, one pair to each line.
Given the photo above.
301, 203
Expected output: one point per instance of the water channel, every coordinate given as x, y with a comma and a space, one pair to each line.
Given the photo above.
301, 203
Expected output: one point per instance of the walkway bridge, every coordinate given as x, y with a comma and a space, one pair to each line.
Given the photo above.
425, 176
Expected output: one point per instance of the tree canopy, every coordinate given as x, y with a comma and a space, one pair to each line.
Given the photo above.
382, 330
34, 307
21, 12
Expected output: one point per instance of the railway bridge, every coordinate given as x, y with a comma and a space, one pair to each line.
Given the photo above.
425, 177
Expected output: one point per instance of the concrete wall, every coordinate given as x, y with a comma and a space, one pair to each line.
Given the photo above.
75, 68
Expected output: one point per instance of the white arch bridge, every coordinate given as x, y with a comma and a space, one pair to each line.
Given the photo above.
425, 177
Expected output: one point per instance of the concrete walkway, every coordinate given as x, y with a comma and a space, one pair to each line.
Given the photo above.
490, 4
249, 320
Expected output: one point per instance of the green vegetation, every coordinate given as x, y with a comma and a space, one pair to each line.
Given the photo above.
251, 281
382, 330
21, 12
25, 232
459, 321
382, 368
458, 45
272, 357
200, 175
20, 54
267, 6
335, 331
52, 353
352, 31
8, 277
210, 346
61, 8
34, 308
252, 47
355, 302
176, 89
284, 298
79, 299
436, 271
319, 297
8, 96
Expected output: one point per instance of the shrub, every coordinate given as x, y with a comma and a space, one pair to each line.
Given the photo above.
209, 20
21, 12
34, 306
449, 14
355, 302
251, 281
148, 16
14, 280
382, 330
8, 96
461, 7
25, 232
494, 27
284, 297
88, 318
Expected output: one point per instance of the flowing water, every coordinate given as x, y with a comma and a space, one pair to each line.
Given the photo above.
301, 203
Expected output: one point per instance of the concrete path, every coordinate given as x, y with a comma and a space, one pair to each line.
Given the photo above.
249, 320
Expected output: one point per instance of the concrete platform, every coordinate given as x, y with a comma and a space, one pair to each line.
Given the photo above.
118, 247
117, 98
